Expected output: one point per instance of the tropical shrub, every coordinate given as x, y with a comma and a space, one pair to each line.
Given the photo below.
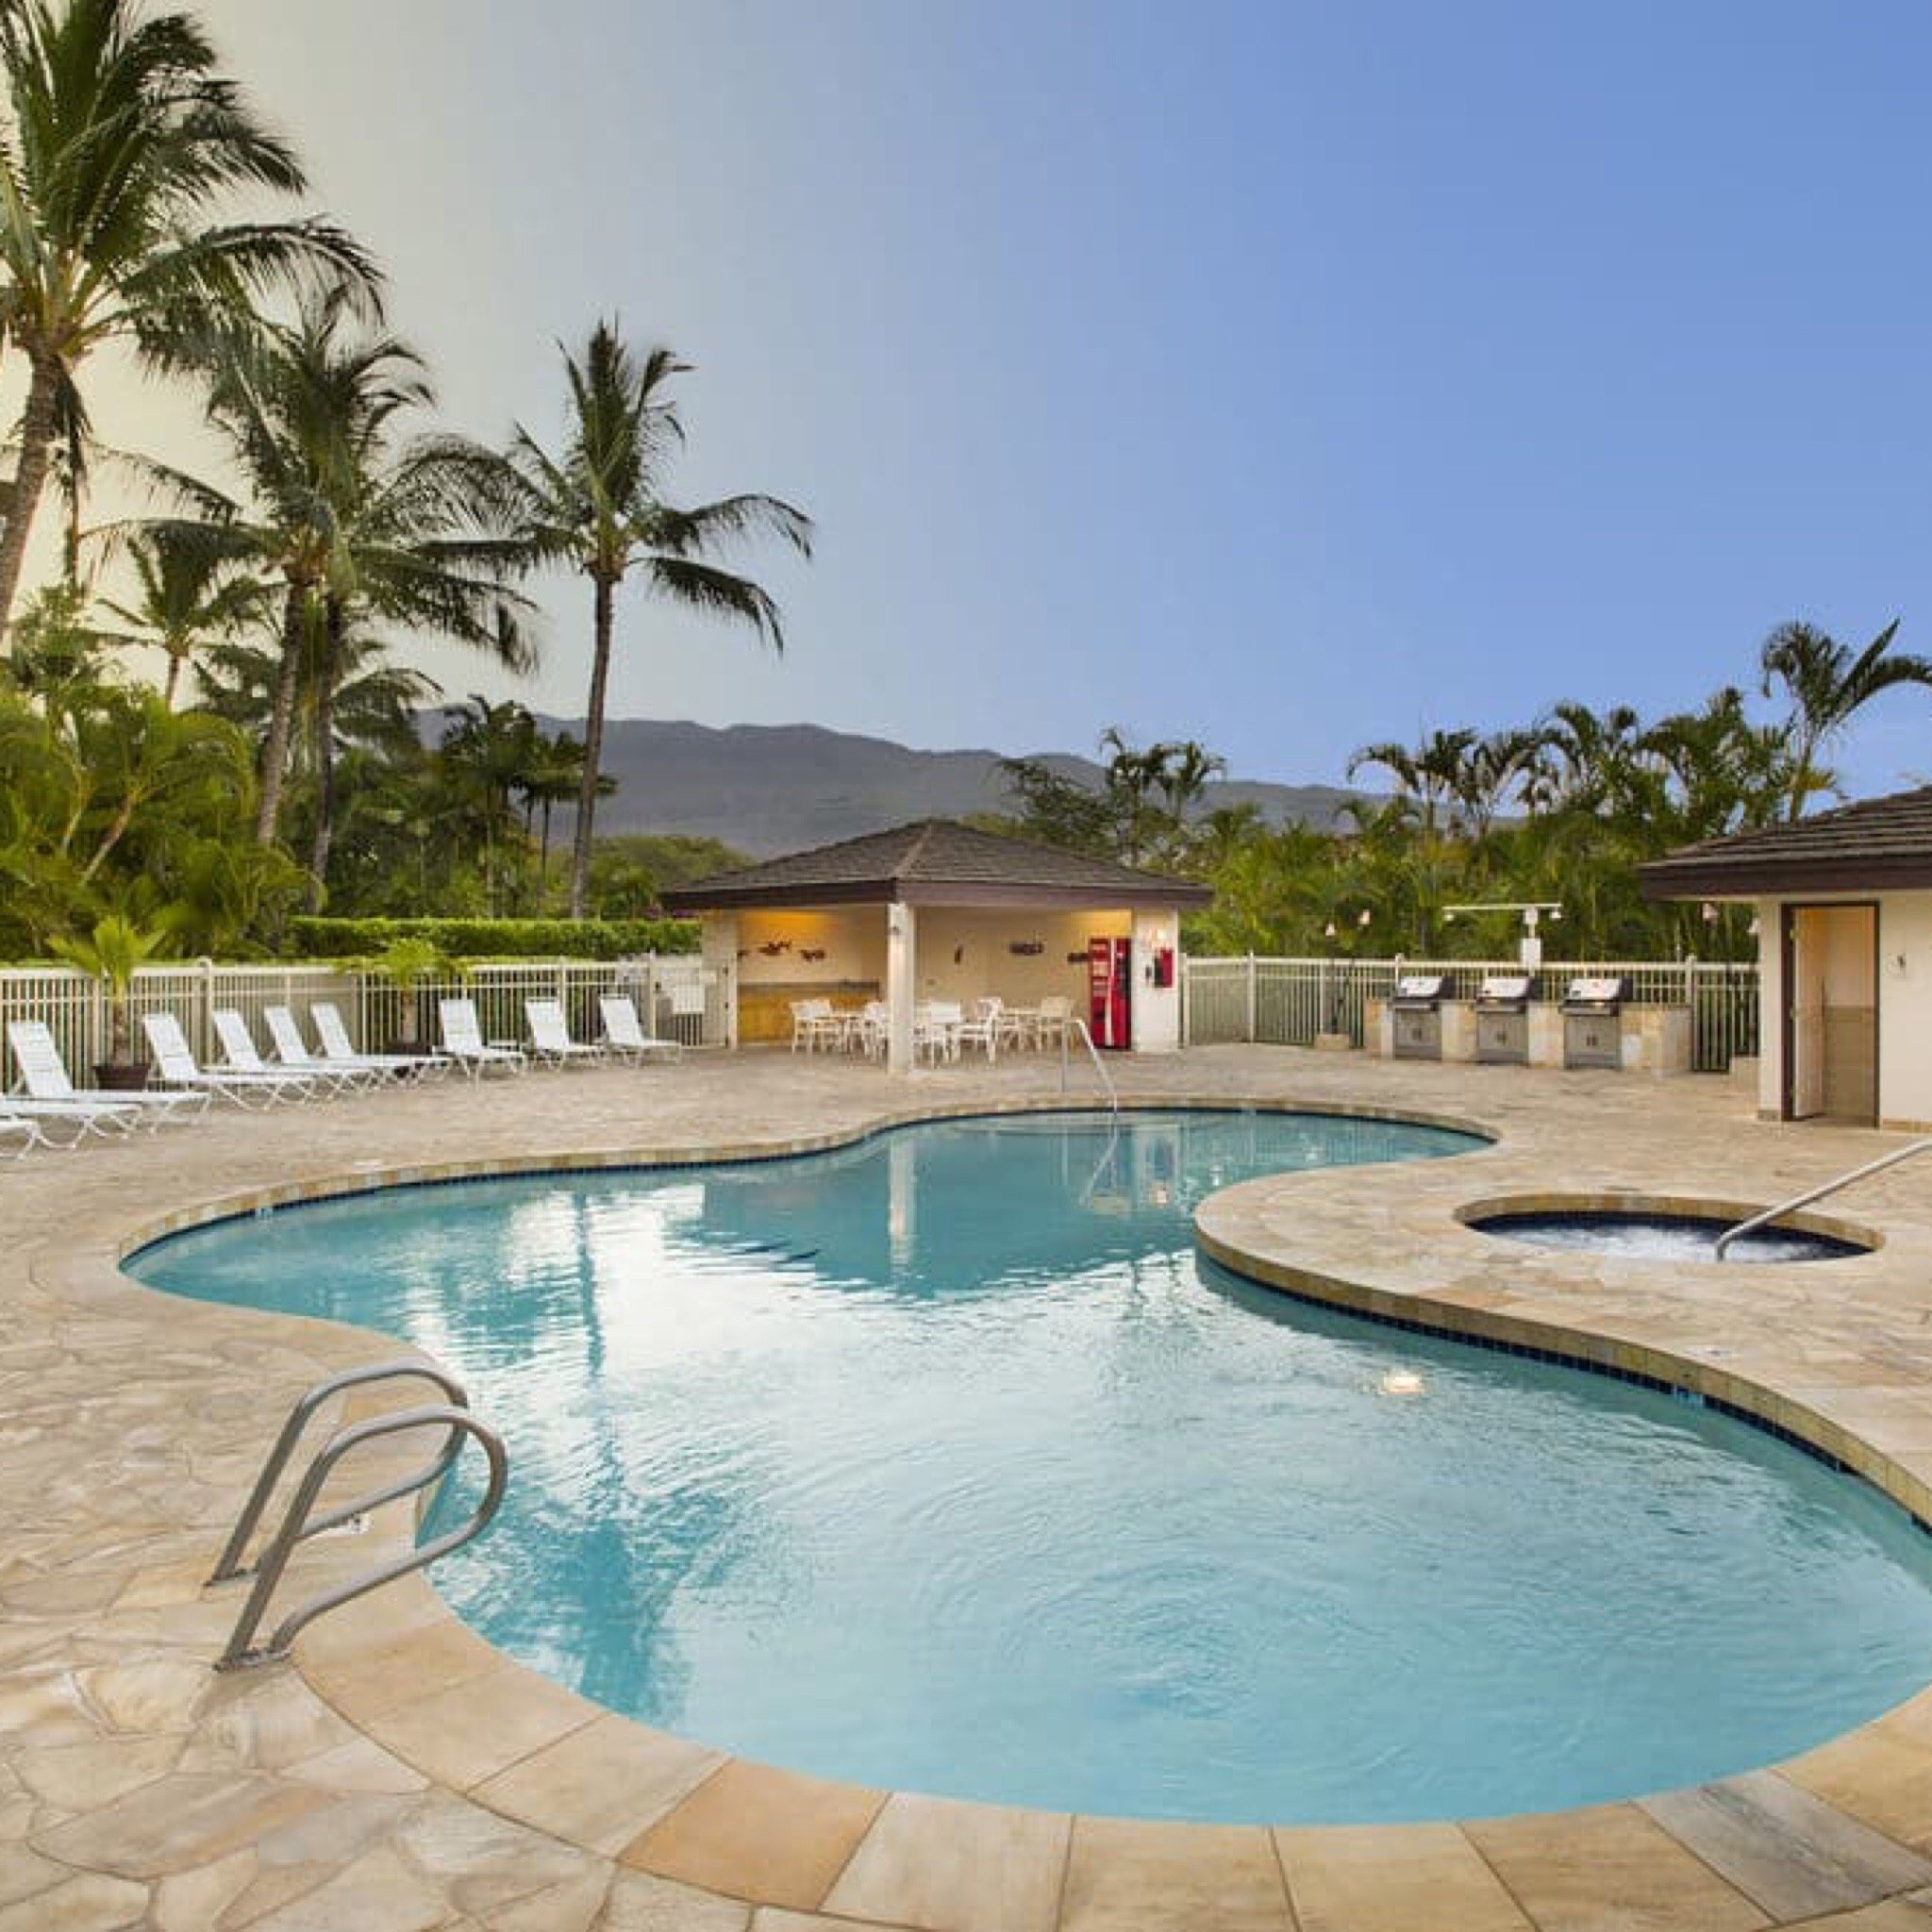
312, 937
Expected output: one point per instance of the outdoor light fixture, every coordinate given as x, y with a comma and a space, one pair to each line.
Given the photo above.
1402, 1382
1532, 911
1364, 916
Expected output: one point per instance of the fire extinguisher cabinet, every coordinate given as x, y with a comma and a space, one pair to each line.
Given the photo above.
1109, 991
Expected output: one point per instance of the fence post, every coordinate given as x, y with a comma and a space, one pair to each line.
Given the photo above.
204, 1019
1700, 1062
1251, 999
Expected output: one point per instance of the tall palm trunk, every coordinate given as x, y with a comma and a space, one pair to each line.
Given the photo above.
274, 756
593, 748
29, 475
176, 660
333, 622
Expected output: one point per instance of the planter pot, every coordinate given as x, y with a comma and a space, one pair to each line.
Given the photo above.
121, 1076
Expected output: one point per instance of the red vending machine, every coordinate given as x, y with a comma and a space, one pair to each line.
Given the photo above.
1108, 981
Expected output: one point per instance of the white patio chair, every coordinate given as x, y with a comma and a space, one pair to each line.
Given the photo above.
1015, 1027
982, 1030
935, 1031
868, 1029
44, 1075
239, 1055
463, 1042
815, 1025
1050, 1022
338, 1051
292, 1051
624, 1033
175, 1060
550, 1040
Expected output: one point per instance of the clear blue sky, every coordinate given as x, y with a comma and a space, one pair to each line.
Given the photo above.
1284, 376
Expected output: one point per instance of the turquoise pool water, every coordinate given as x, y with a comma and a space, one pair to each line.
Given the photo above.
944, 1462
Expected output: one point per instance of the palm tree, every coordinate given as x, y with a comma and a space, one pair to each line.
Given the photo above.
1488, 770
598, 508
1431, 774
191, 596
355, 528
1581, 756
120, 142
553, 777
1827, 683
488, 751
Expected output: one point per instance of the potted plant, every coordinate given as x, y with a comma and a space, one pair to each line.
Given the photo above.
404, 965
110, 954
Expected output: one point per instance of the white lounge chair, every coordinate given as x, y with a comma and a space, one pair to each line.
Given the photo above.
17, 1127
176, 1061
463, 1042
624, 1038
241, 1056
338, 1051
550, 1040
78, 1118
292, 1051
44, 1075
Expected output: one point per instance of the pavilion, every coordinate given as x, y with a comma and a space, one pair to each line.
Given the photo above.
940, 910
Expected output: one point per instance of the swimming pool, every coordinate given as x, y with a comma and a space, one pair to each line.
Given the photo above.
943, 1462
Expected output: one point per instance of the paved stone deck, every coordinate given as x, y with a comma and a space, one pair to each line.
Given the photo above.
402, 1774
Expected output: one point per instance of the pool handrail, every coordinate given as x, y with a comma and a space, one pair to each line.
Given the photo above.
242, 1652
1075, 1024
1817, 1193
230, 1563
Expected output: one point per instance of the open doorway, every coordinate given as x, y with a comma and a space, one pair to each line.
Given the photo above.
1831, 1012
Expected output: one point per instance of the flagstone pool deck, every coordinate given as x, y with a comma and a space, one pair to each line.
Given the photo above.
400, 1773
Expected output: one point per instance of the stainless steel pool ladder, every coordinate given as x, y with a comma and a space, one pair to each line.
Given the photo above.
1075, 1024
299, 1524
1811, 1195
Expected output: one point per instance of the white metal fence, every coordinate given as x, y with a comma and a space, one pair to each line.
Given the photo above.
679, 995
1287, 1002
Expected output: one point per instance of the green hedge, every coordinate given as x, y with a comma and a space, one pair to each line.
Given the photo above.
310, 938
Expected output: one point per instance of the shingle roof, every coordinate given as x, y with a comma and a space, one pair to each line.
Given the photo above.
1877, 841
935, 862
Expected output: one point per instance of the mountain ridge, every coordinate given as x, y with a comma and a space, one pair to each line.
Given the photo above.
768, 788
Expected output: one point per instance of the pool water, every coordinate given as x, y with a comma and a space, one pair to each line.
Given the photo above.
944, 1462
1639, 1237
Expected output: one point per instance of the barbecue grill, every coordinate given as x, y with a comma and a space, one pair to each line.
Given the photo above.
1416, 1016
1502, 1017
1593, 1032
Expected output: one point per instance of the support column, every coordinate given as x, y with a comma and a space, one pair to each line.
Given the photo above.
721, 956
902, 958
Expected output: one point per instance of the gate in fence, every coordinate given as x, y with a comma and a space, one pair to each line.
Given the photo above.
1288, 1002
